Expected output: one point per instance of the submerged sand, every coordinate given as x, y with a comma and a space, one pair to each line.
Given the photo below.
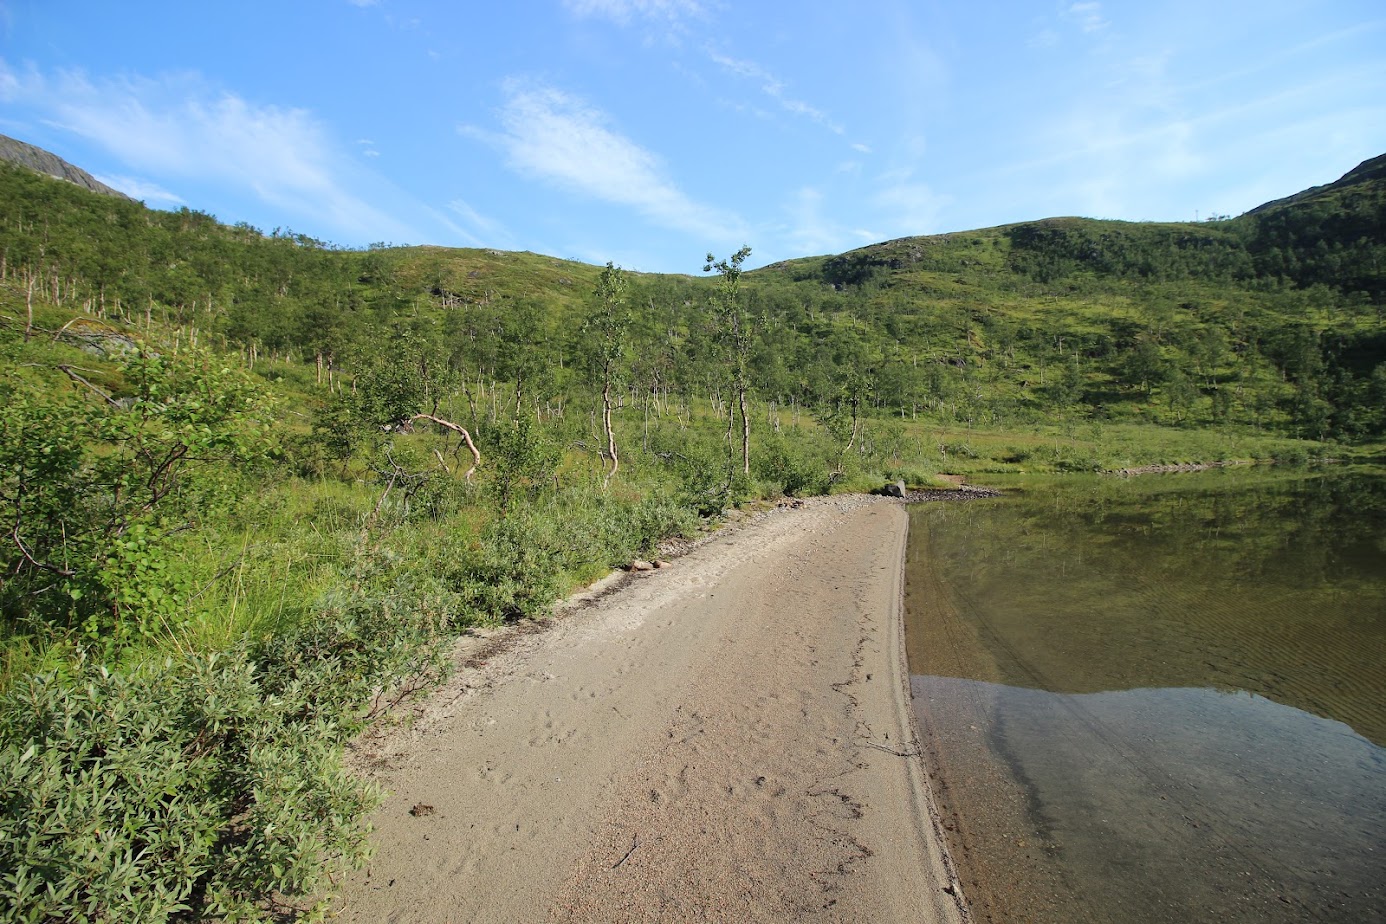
726, 739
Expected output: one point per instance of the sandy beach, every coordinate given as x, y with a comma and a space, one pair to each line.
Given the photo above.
726, 739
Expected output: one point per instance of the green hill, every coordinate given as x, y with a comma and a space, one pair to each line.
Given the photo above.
1272, 320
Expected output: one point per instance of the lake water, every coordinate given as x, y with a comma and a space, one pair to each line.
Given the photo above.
1158, 699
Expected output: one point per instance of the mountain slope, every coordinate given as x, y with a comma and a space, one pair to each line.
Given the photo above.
1332, 235
41, 161
1366, 173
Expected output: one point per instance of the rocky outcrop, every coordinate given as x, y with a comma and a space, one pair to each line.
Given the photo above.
37, 159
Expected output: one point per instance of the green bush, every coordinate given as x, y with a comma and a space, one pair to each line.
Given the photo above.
521, 564
199, 786
94, 493
912, 476
961, 450
521, 462
657, 518
707, 481
790, 466
512, 572
178, 788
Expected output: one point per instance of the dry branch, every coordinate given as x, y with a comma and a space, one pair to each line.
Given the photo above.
68, 371
467, 437
634, 844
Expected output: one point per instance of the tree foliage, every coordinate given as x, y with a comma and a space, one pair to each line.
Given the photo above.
733, 338
94, 492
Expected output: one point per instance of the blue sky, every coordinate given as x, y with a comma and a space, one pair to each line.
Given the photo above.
649, 132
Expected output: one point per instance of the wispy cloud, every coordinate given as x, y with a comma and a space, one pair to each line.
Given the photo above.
810, 231
363, 3
176, 126
774, 88
481, 229
814, 224
140, 189
907, 206
1088, 16
556, 137
622, 11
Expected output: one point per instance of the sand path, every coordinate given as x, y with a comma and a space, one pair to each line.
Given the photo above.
728, 739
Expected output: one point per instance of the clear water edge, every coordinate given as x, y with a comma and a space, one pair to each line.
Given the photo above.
1159, 699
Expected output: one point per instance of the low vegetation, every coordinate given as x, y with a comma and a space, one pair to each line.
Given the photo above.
252, 486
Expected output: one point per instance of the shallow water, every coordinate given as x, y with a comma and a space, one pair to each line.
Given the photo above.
1160, 698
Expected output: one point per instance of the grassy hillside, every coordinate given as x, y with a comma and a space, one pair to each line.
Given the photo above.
1272, 321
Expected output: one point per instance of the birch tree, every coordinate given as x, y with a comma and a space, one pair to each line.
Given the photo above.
732, 326
609, 323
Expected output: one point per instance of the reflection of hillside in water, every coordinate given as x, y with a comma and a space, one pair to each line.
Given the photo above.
1234, 580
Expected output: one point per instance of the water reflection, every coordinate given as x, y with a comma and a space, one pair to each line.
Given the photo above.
1159, 699
1276, 587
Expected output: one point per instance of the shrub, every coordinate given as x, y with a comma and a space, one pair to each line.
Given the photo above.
198, 786
512, 572
94, 493
708, 482
789, 467
176, 788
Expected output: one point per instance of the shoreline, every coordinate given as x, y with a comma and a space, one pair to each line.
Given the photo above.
729, 738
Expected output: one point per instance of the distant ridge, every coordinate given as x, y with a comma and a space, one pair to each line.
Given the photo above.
37, 159
1369, 171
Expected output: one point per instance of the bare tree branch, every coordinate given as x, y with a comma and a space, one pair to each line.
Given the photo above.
476, 453
29, 557
67, 370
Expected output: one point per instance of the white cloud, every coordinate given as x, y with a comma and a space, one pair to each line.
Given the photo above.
736, 105
622, 11
907, 206
556, 137
861, 148
774, 88
1088, 16
143, 190
747, 69
814, 227
810, 231
176, 126
484, 230
363, 3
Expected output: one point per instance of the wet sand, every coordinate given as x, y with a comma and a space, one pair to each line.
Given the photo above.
726, 739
